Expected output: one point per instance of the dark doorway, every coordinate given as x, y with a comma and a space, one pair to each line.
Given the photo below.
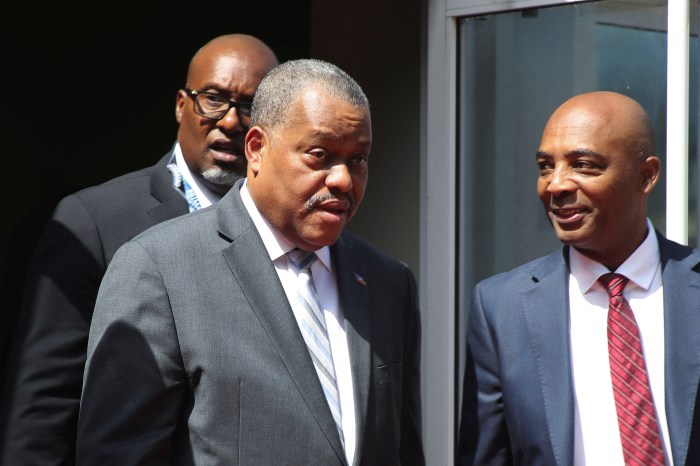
88, 93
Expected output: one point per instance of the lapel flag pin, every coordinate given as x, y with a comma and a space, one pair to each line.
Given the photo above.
359, 279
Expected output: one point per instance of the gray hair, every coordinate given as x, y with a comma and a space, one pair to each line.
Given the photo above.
286, 82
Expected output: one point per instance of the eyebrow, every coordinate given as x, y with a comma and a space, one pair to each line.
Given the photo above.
573, 153
320, 134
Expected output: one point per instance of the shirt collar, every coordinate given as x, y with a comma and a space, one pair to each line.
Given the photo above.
205, 196
275, 242
640, 267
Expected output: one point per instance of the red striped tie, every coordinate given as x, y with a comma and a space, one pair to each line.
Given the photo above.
639, 431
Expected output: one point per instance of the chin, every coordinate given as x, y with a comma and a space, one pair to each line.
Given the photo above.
579, 241
217, 176
323, 240
568, 238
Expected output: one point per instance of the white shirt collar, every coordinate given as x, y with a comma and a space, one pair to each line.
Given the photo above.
275, 242
640, 267
205, 196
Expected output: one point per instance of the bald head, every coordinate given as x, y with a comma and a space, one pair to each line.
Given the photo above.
597, 168
245, 48
613, 118
228, 67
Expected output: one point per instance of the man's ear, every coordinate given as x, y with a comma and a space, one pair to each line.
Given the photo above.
256, 143
649, 170
180, 100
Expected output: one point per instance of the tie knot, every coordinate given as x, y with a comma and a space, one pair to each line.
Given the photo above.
614, 283
301, 259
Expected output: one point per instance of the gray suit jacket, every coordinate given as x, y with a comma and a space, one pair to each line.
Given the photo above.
195, 356
77, 244
518, 406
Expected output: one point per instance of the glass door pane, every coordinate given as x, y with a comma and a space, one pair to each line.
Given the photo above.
515, 69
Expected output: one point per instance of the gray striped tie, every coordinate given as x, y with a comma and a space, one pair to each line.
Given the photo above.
313, 327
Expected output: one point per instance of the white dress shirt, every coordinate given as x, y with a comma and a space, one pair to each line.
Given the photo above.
326, 286
205, 196
596, 431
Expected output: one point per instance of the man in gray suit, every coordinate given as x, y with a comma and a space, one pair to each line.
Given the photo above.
550, 377
212, 344
87, 228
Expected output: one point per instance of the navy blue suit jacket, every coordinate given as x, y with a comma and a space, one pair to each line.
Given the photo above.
518, 398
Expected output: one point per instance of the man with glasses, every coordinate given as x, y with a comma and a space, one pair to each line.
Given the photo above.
86, 229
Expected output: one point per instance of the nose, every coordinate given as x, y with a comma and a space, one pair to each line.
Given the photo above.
560, 182
231, 122
339, 178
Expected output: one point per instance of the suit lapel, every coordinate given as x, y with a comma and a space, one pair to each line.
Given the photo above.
261, 285
548, 327
171, 204
354, 297
682, 342
546, 309
173, 207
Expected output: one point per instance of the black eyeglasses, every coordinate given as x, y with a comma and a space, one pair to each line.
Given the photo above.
216, 107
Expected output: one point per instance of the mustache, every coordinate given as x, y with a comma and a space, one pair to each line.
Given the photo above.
317, 199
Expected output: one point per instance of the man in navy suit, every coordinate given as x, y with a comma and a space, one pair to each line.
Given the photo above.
538, 384
87, 228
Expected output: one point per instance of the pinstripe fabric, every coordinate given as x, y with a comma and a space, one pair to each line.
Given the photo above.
313, 328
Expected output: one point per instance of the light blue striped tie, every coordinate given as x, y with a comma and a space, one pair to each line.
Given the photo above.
313, 327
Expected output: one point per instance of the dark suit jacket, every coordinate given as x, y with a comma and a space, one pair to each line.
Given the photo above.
518, 403
78, 242
195, 356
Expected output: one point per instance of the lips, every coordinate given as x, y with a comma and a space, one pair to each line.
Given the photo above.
226, 151
567, 215
335, 205
334, 211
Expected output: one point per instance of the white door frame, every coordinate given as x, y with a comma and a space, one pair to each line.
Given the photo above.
438, 152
